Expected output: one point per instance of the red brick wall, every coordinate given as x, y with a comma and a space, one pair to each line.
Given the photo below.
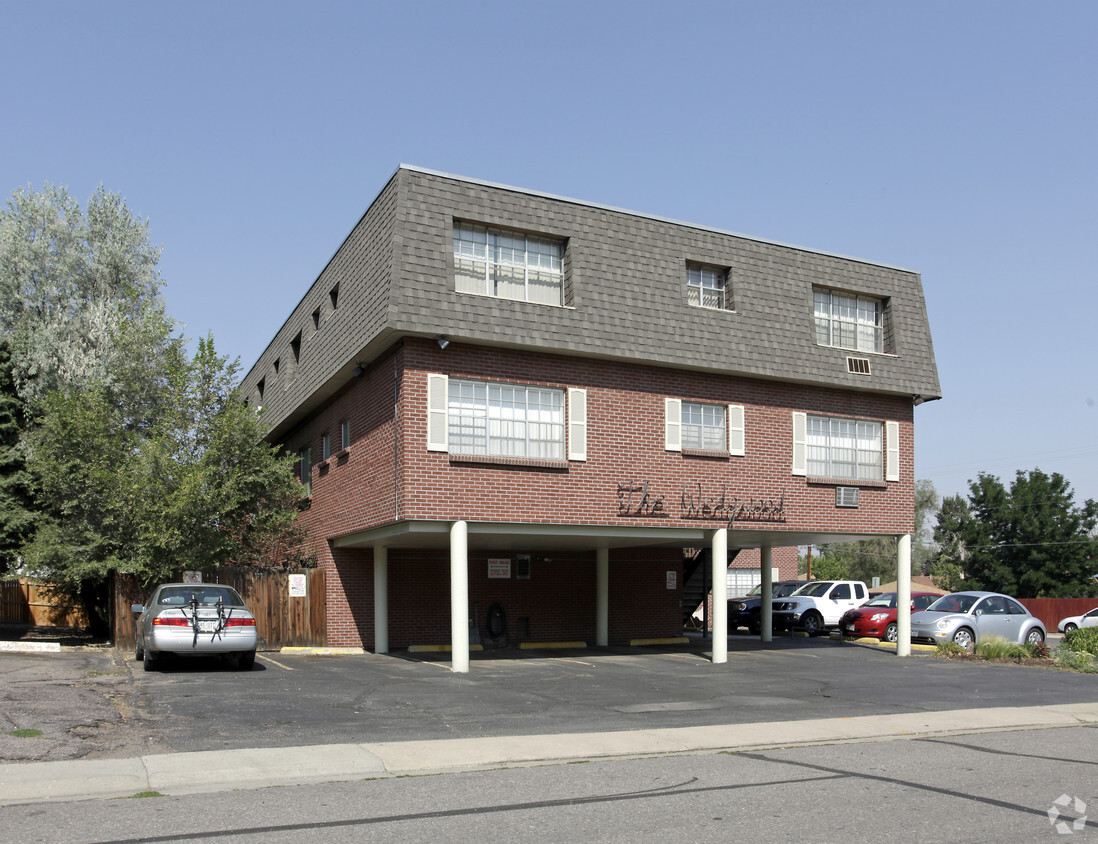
625, 410
388, 475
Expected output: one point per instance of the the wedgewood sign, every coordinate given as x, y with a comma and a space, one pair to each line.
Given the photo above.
638, 501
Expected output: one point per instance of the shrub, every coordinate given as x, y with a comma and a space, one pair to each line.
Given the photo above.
949, 649
1084, 640
1038, 650
1076, 661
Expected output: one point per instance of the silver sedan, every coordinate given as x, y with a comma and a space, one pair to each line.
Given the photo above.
968, 618
195, 619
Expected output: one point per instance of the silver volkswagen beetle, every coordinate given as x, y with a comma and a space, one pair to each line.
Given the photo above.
968, 618
195, 619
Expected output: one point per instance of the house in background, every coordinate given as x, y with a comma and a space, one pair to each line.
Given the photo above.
514, 411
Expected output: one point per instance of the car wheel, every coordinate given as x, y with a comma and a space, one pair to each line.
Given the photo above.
892, 633
138, 652
754, 624
245, 662
965, 639
1069, 627
1035, 637
812, 622
151, 662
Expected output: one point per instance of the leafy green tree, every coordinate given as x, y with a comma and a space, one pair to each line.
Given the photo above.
80, 295
1032, 540
17, 507
194, 489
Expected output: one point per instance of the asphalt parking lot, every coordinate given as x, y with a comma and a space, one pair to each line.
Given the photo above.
99, 703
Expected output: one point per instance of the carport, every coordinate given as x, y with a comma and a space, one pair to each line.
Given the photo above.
461, 537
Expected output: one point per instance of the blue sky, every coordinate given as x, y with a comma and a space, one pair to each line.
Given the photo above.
954, 138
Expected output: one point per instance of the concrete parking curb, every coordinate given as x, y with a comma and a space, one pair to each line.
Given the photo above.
185, 773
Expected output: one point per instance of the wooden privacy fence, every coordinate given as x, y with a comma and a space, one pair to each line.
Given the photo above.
26, 604
281, 620
1051, 610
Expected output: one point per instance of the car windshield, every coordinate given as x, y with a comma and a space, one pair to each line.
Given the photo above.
887, 600
204, 594
781, 590
814, 589
953, 603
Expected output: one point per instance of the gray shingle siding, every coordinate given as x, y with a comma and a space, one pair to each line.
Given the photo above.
626, 273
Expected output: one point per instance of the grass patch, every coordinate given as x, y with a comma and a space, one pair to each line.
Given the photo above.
144, 794
947, 649
26, 733
995, 647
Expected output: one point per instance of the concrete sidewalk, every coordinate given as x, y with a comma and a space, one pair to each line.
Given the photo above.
197, 772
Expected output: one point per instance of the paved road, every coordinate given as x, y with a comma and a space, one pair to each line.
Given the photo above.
987, 787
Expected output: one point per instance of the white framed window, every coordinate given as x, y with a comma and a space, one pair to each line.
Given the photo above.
325, 446
848, 449
511, 265
504, 420
706, 427
703, 426
345, 435
848, 321
706, 286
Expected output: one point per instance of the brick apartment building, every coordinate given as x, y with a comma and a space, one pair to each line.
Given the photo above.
524, 418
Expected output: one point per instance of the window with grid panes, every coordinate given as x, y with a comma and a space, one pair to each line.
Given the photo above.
703, 426
849, 449
505, 420
848, 321
511, 265
705, 286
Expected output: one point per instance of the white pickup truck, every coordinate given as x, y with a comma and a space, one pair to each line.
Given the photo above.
819, 604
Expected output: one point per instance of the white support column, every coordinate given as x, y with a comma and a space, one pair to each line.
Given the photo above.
381, 600
903, 596
766, 607
459, 598
720, 595
602, 597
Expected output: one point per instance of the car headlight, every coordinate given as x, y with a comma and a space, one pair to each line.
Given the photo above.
878, 616
943, 623
739, 607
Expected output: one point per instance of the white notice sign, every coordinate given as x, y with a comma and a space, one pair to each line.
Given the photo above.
297, 586
672, 579
499, 569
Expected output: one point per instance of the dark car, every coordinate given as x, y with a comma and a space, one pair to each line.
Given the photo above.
878, 617
744, 611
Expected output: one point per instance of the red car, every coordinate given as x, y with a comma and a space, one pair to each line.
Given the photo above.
877, 618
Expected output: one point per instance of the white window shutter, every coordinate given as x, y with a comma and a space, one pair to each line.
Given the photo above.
800, 444
577, 424
438, 412
672, 428
736, 439
892, 451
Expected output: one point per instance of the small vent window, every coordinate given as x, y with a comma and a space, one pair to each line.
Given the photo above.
858, 366
846, 496
522, 567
